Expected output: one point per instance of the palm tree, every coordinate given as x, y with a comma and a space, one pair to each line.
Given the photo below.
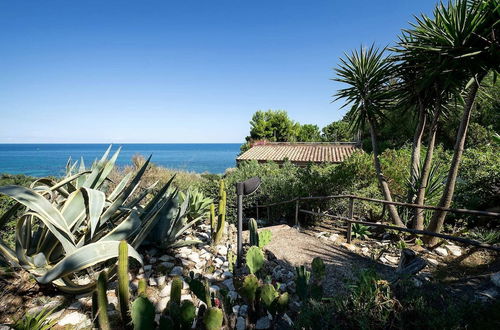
462, 40
368, 75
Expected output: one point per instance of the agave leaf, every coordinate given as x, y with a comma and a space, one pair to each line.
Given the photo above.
119, 188
74, 208
125, 193
8, 254
44, 209
179, 244
154, 202
95, 204
97, 168
108, 167
83, 178
85, 257
125, 229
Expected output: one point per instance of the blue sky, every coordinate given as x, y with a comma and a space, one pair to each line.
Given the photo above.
177, 71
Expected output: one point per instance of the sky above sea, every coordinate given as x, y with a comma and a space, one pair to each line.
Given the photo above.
177, 71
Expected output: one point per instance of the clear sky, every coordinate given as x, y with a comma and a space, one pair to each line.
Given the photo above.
177, 71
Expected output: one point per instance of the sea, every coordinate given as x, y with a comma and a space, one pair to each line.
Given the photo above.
41, 160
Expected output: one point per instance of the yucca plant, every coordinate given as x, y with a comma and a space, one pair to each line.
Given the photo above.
70, 227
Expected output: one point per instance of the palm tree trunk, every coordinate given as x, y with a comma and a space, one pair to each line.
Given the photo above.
438, 217
381, 179
426, 168
416, 146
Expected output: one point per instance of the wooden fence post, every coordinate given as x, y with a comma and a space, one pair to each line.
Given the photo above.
297, 213
350, 216
257, 212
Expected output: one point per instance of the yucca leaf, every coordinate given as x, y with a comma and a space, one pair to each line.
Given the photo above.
85, 257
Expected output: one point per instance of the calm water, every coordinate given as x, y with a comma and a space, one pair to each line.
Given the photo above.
50, 159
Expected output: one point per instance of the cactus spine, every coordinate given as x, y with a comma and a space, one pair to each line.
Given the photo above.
213, 318
102, 301
175, 291
141, 289
254, 235
123, 281
222, 213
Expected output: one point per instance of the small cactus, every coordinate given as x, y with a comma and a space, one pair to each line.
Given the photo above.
200, 290
175, 290
187, 313
264, 238
248, 288
143, 313
142, 286
222, 213
254, 259
254, 235
302, 282
279, 304
213, 222
102, 301
231, 258
123, 281
268, 294
318, 269
213, 318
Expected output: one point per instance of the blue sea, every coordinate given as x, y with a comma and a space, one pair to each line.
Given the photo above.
50, 159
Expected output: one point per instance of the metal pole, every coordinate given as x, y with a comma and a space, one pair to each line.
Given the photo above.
350, 216
257, 212
240, 230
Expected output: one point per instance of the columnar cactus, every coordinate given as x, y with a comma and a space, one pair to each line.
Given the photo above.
102, 301
213, 318
142, 286
175, 291
222, 213
123, 281
143, 313
213, 221
302, 282
254, 235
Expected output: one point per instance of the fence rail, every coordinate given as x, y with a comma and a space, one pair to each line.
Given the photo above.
350, 218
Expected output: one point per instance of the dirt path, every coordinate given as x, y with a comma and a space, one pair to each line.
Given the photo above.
296, 248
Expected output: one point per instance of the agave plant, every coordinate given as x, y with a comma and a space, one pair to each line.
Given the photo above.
69, 228
198, 204
360, 231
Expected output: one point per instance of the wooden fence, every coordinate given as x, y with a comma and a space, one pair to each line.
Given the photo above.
350, 219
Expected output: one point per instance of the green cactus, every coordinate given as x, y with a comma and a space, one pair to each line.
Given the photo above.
213, 318
264, 238
123, 281
143, 314
213, 222
254, 259
318, 269
222, 213
302, 282
201, 290
95, 309
280, 304
254, 235
248, 288
175, 290
187, 314
231, 258
268, 294
102, 301
142, 286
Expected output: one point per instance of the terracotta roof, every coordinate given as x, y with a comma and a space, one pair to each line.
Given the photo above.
300, 152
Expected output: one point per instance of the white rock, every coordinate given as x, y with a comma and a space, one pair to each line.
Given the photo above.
194, 257
214, 288
162, 304
433, 262
167, 264
227, 275
229, 284
161, 280
218, 261
441, 251
495, 278
176, 271
153, 281
333, 237
147, 268
165, 292
288, 319
349, 247
76, 319
263, 323
454, 250
233, 295
392, 259
222, 250
186, 297
243, 310
75, 306
166, 257
240, 323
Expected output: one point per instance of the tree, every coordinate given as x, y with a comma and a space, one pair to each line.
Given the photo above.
367, 74
337, 131
462, 38
309, 133
273, 125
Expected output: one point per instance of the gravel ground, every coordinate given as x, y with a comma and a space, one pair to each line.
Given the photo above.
297, 248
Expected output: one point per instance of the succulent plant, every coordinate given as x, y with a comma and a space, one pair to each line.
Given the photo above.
187, 314
213, 318
248, 288
141, 287
264, 238
253, 233
318, 268
268, 294
231, 258
360, 231
123, 281
221, 218
143, 313
198, 204
279, 304
213, 221
71, 225
254, 259
175, 290
201, 290
302, 282
102, 301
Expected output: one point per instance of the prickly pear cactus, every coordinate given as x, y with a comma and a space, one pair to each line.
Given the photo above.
248, 288
143, 314
302, 282
175, 290
254, 259
200, 290
187, 313
267, 294
264, 238
280, 304
318, 269
231, 258
254, 235
213, 318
